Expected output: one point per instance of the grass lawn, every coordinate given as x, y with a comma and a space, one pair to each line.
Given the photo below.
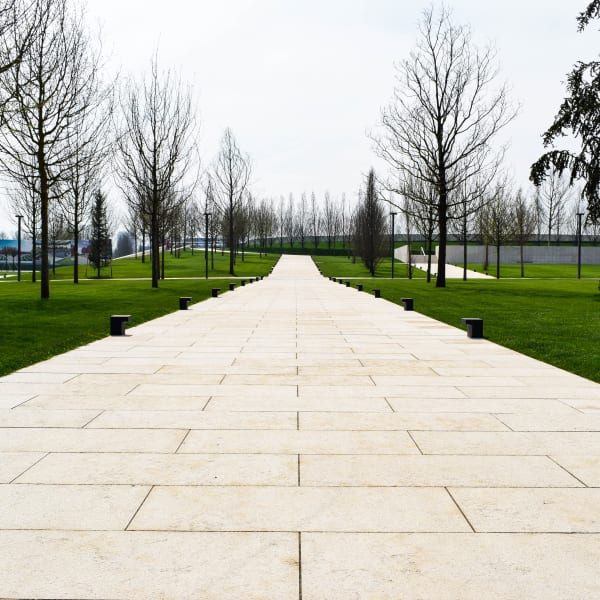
34, 330
540, 271
557, 321
341, 266
186, 265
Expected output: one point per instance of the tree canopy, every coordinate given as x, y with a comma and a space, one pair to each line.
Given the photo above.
579, 115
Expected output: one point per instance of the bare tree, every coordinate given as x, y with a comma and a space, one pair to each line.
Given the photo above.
330, 225
302, 219
496, 220
91, 142
444, 117
466, 201
424, 220
25, 201
48, 93
315, 220
553, 194
524, 221
19, 20
232, 176
291, 223
156, 165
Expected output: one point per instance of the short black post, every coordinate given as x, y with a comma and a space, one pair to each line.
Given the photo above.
377, 293
474, 327
215, 292
359, 287
231, 287
243, 282
408, 303
183, 302
334, 279
347, 284
117, 324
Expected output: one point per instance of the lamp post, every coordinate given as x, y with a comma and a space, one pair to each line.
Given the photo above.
393, 215
579, 215
206, 216
20, 217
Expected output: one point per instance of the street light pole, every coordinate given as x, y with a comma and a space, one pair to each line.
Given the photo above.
579, 215
206, 215
393, 215
19, 217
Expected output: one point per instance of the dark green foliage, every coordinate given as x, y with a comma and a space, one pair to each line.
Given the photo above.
578, 115
100, 251
591, 12
368, 239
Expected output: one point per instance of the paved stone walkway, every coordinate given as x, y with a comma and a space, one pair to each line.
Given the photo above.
298, 439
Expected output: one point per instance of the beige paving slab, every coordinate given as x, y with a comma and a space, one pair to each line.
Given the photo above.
443, 404
530, 510
193, 419
299, 509
109, 402
39, 377
13, 464
400, 421
574, 422
86, 507
236, 369
149, 566
89, 440
467, 471
584, 467
566, 392
299, 442
315, 402
450, 566
469, 442
164, 469
8, 401
408, 369
438, 380
430, 391
304, 380
280, 392
32, 417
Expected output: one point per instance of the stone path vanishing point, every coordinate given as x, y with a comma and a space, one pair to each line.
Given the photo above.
298, 439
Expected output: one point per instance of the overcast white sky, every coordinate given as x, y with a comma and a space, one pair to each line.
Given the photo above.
301, 82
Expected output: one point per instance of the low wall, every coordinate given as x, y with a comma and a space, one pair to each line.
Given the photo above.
563, 255
401, 254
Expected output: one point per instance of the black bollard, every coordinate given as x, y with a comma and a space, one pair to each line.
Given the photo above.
184, 301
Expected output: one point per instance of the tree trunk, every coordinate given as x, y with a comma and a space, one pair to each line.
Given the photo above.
155, 248
45, 275
231, 243
522, 259
498, 259
76, 244
33, 253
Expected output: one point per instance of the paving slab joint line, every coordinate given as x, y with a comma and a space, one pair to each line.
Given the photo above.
567, 471
37, 462
93, 419
300, 565
138, 508
460, 509
410, 435
183, 440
